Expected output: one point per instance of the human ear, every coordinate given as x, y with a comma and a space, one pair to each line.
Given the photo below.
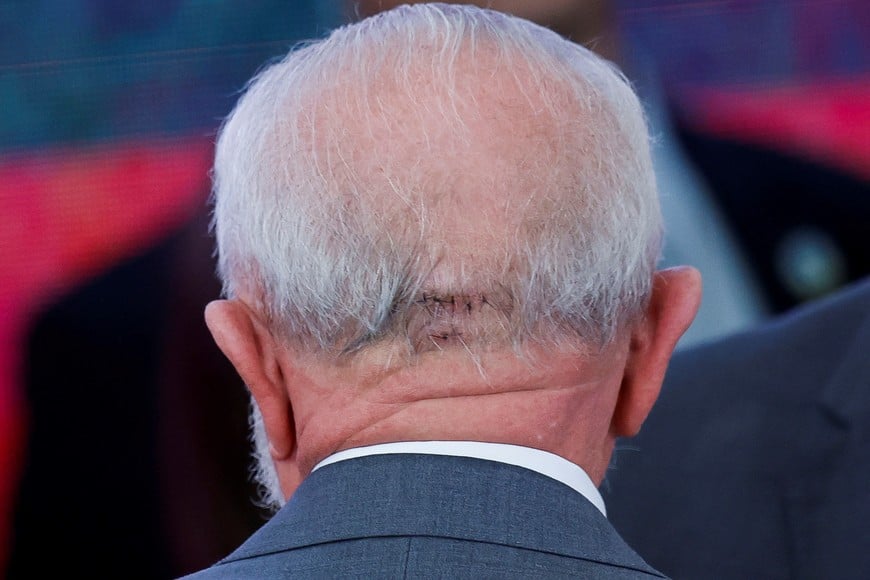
676, 296
247, 342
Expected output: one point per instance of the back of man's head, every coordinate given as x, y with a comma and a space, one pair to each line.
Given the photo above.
437, 179
434, 153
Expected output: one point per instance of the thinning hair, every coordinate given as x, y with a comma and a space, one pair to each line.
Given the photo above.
437, 176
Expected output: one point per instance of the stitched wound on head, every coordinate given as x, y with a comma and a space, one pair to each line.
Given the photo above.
440, 320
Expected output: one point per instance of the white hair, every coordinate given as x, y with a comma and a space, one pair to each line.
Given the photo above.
339, 180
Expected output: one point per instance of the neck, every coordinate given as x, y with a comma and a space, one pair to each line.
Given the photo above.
562, 405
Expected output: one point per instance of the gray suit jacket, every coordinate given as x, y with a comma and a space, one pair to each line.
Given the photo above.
426, 516
755, 462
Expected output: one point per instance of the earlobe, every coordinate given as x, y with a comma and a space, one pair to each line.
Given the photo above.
675, 299
249, 346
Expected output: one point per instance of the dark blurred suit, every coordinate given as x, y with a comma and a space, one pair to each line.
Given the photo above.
755, 463
130, 407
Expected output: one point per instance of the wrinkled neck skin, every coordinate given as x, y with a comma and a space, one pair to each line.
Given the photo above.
562, 403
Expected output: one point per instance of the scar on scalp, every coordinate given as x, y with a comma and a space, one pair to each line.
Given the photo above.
447, 313
452, 303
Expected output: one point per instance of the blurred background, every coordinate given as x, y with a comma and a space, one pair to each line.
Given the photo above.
123, 430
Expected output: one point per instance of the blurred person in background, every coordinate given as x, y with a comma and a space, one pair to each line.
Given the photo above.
754, 463
437, 230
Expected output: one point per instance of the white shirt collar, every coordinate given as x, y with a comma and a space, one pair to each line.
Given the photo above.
542, 462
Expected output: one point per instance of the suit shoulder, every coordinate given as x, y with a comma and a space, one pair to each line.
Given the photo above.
418, 556
798, 351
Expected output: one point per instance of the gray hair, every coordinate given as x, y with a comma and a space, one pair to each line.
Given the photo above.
340, 176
